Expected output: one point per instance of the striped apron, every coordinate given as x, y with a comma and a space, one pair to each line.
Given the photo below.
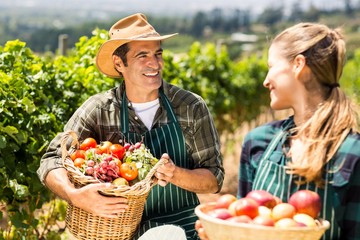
271, 176
169, 204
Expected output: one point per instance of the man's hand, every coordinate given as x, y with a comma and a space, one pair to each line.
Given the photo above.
89, 199
165, 173
198, 180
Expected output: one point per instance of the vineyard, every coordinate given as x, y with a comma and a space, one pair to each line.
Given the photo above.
38, 95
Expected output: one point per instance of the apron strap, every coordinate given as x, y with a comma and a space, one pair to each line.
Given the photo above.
124, 115
167, 105
274, 142
261, 178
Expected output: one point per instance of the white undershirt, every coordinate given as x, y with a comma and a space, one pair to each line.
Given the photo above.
146, 111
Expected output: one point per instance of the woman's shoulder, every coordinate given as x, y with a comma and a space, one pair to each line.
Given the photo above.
351, 144
346, 160
268, 130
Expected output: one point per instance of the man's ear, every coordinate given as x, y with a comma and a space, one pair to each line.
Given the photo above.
118, 64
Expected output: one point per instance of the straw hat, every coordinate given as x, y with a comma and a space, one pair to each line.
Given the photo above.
131, 28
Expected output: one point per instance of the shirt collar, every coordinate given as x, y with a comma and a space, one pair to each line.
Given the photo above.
120, 90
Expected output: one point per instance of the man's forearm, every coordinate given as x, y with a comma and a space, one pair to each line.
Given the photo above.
58, 182
197, 180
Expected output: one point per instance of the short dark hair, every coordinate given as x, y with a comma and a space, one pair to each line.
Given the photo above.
121, 52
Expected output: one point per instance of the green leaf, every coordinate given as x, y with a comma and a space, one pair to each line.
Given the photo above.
10, 130
28, 104
21, 192
2, 142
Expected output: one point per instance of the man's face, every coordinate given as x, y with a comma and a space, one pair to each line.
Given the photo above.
143, 72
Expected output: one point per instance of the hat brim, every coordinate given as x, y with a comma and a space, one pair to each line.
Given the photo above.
104, 61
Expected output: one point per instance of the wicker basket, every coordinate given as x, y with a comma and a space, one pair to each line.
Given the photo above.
217, 229
85, 225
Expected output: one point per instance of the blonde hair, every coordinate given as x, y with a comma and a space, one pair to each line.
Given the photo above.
322, 134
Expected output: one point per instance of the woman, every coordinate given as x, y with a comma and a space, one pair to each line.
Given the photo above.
318, 147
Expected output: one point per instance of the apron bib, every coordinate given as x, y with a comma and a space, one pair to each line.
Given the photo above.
271, 176
169, 204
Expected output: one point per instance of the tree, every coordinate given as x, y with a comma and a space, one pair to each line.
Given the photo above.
271, 16
312, 14
349, 11
217, 21
198, 24
296, 13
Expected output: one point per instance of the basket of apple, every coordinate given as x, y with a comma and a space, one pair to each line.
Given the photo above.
130, 169
261, 216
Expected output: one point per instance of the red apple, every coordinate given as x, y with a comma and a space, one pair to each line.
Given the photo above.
264, 221
244, 206
283, 210
305, 219
299, 224
278, 200
225, 200
240, 219
306, 201
264, 211
262, 197
221, 213
286, 223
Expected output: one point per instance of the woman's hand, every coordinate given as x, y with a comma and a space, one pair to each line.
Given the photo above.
200, 230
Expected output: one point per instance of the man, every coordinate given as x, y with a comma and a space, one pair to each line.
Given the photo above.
173, 123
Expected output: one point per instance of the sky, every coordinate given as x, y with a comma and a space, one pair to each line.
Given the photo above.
167, 7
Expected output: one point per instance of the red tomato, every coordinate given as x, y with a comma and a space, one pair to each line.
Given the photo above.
88, 143
77, 154
117, 150
92, 151
128, 171
105, 146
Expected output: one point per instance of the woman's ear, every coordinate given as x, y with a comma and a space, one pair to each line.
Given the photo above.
300, 66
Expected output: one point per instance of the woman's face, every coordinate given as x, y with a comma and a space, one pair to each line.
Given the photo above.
280, 80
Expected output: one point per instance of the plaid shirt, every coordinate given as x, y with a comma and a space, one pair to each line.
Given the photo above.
341, 197
99, 117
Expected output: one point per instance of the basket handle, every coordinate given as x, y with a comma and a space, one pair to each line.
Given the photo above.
64, 151
153, 170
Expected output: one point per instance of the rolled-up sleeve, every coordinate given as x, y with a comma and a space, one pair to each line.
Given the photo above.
83, 123
51, 159
203, 141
